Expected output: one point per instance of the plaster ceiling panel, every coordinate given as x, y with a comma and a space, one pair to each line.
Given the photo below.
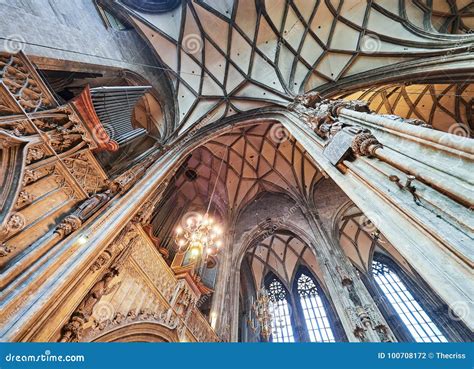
185, 100
232, 181
311, 50
266, 39
246, 17
275, 10
349, 249
300, 75
257, 268
201, 110
309, 258
294, 29
210, 87
344, 37
416, 16
268, 152
240, 51
191, 71
386, 26
224, 7
169, 22
166, 49
253, 91
285, 63
305, 8
235, 161
313, 82
366, 63
290, 262
354, 11
389, 5
322, 22
332, 64
215, 62
239, 145
280, 244
216, 28
192, 40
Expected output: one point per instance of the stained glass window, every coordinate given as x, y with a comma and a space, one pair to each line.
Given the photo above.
316, 319
282, 331
411, 313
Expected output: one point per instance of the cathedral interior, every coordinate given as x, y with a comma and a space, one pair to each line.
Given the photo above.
236, 170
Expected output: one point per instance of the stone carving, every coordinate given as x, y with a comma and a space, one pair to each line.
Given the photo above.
144, 214
4, 250
35, 154
21, 79
31, 176
74, 221
322, 116
24, 198
15, 223
72, 331
86, 174
365, 144
68, 225
365, 317
125, 238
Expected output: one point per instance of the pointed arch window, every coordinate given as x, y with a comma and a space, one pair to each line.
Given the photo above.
419, 324
280, 310
315, 316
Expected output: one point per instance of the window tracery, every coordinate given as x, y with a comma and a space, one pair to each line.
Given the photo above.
414, 317
315, 316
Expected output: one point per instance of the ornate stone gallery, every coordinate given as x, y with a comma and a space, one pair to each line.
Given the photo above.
247, 170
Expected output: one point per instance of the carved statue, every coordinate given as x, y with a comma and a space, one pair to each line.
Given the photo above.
101, 288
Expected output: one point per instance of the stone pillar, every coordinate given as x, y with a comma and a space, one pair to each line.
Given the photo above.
412, 182
360, 317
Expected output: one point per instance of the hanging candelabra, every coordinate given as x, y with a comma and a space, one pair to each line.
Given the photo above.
260, 315
200, 236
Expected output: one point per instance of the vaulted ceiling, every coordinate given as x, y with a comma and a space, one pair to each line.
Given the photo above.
244, 162
281, 254
227, 56
447, 107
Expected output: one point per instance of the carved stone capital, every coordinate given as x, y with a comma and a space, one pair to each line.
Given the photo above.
69, 224
365, 144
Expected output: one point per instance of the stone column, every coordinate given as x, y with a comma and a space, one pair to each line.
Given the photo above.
412, 182
360, 317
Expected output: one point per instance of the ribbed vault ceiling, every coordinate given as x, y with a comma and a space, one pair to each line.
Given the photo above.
256, 159
280, 254
447, 107
229, 56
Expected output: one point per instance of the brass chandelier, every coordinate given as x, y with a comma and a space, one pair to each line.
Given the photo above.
199, 235
260, 315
